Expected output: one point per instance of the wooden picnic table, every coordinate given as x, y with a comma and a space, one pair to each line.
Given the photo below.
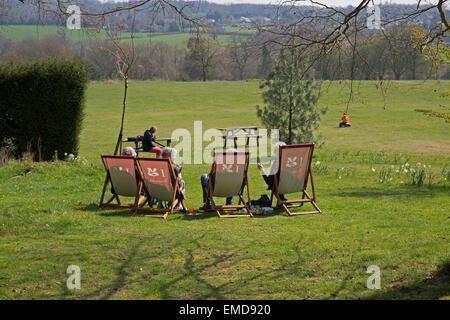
240, 132
167, 140
138, 142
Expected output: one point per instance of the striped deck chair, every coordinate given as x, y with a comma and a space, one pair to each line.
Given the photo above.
292, 177
121, 174
160, 183
229, 177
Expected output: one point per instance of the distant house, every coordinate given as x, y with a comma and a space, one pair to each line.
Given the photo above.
207, 21
244, 21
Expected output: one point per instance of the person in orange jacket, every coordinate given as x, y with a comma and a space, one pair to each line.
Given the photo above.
345, 121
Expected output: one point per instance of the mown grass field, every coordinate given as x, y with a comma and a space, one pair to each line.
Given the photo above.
49, 216
21, 32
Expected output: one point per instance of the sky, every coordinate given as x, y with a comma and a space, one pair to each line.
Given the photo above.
328, 2
334, 3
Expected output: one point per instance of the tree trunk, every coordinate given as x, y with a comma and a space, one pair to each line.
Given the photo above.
290, 126
204, 72
119, 139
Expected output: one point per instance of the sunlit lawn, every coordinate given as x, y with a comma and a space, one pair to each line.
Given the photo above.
49, 216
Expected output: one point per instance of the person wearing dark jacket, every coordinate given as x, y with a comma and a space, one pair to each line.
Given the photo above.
147, 142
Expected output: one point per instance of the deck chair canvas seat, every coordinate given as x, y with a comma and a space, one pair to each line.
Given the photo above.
292, 177
159, 182
121, 175
229, 177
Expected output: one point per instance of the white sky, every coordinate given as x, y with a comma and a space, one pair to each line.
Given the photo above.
337, 3
327, 2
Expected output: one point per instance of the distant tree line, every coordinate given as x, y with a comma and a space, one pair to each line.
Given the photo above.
203, 58
13, 12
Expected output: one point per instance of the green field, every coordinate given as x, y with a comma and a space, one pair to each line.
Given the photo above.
21, 32
372, 215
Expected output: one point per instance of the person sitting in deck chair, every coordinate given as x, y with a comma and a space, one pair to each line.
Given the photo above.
147, 142
228, 177
268, 179
345, 121
128, 151
122, 176
204, 179
171, 153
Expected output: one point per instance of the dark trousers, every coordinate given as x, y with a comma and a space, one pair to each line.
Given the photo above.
268, 179
204, 181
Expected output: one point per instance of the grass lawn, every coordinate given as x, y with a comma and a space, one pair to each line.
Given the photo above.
21, 32
49, 216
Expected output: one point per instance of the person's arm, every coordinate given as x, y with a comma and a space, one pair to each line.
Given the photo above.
177, 170
267, 179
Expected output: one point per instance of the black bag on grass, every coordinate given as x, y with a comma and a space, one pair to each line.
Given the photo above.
263, 201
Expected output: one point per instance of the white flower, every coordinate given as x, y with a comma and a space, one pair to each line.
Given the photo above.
406, 164
397, 171
373, 169
317, 163
405, 171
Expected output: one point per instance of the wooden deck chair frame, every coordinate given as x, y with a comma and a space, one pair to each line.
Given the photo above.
306, 198
176, 198
109, 180
241, 204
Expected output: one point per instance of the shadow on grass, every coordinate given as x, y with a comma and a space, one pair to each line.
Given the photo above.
93, 207
117, 213
351, 267
435, 286
122, 274
389, 191
195, 272
207, 289
108, 212
123, 271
